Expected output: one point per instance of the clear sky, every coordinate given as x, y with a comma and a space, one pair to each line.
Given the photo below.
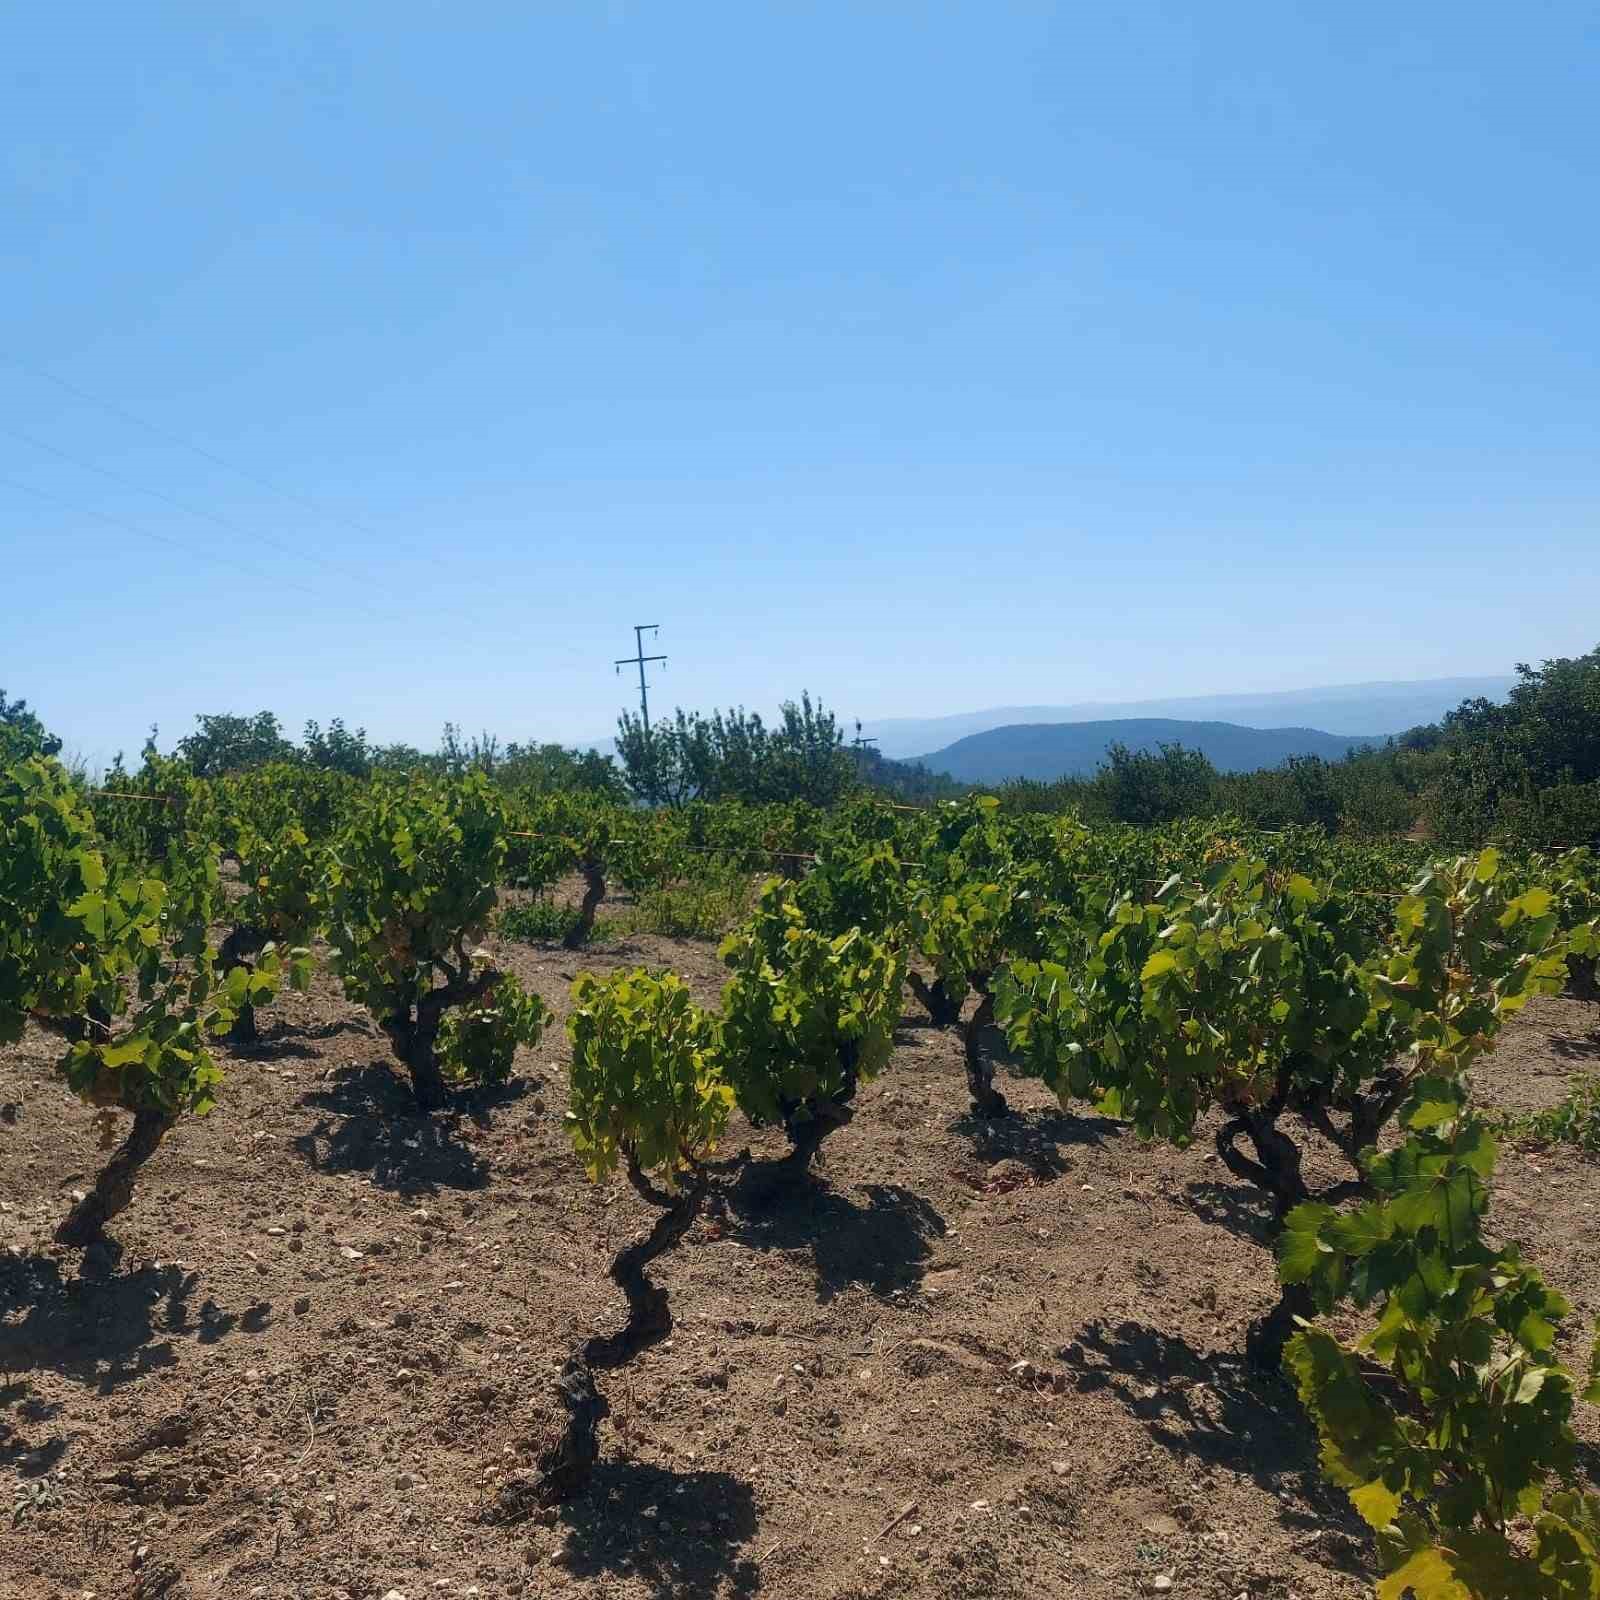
930, 356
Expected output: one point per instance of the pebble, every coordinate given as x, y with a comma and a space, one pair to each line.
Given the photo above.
1161, 1582
350, 1253
302, 1305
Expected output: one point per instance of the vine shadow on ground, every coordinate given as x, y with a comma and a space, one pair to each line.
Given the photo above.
1238, 1208
28, 1457
370, 1124
1245, 1211
107, 1328
679, 1533
1036, 1138
1571, 1047
286, 1040
881, 1246
1216, 1409
322, 1030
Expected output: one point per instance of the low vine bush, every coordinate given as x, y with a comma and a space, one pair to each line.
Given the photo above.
1450, 1423
647, 1096
1262, 993
543, 921
806, 1019
478, 1041
119, 963
412, 886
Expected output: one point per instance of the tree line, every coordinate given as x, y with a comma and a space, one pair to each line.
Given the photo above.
1526, 770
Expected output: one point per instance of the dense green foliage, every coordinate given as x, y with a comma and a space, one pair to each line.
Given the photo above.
545, 921
22, 734
412, 882
478, 1042
119, 962
1528, 769
1463, 1461
735, 755
806, 1017
646, 1080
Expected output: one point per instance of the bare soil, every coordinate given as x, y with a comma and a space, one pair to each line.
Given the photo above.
327, 1332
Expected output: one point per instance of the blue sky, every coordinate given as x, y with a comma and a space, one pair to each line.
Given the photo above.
928, 356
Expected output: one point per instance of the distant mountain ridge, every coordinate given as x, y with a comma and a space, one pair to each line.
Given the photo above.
1362, 710
1045, 751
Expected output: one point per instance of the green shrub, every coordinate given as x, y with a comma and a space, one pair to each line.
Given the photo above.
705, 907
412, 879
805, 1019
647, 1090
1576, 1120
478, 1043
544, 921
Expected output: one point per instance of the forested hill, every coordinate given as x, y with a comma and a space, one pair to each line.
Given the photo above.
1049, 750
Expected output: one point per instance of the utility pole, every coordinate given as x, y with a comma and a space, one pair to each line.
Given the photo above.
858, 743
639, 658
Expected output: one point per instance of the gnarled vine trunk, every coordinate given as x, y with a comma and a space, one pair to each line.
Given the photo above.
566, 1465
1276, 1171
987, 1101
944, 1009
240, 949
414, 1032
809, 1122
594, 891
1583, 982
1265, 1341
113, 1189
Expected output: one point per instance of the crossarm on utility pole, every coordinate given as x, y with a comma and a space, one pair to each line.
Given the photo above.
639, 658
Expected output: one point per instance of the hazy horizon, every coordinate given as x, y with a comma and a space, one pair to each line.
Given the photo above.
909, 737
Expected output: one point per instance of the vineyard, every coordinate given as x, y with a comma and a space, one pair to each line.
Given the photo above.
419, 1184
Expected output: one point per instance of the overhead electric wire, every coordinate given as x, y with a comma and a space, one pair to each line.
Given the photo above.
177, 544
189, 510
388, 541
172, 438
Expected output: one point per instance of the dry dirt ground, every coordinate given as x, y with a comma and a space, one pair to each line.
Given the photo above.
327, 1330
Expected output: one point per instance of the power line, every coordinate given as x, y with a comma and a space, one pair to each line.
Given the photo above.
388, 541
199, 450
176, 544
189, 510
